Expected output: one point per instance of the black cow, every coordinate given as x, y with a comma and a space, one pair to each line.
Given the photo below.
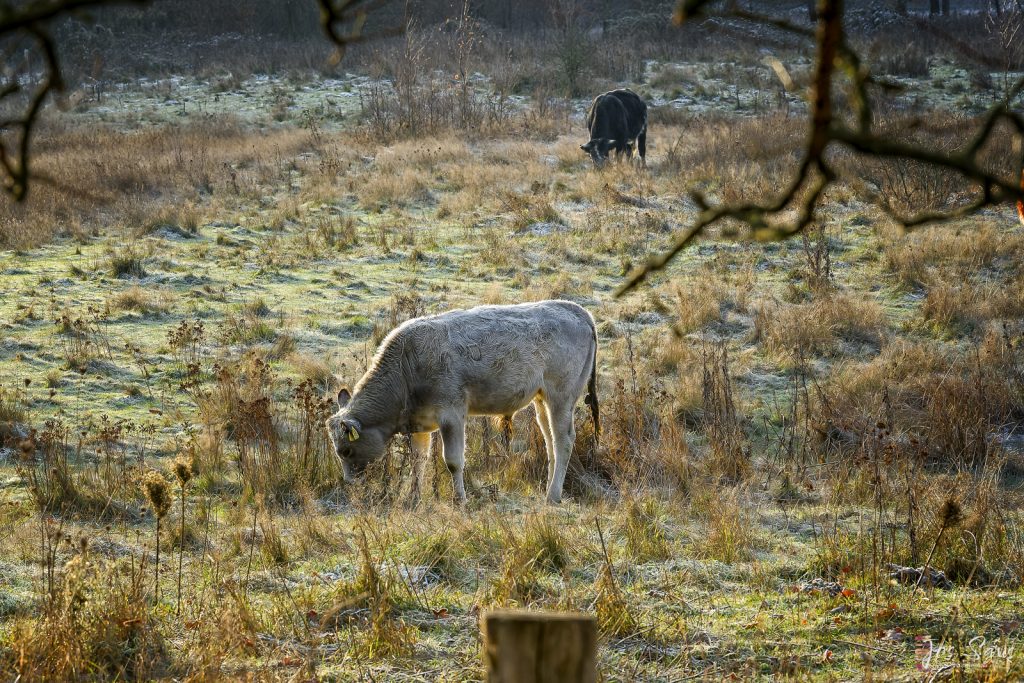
616, 120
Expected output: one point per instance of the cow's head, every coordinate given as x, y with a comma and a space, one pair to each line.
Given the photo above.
598, 149
355, 446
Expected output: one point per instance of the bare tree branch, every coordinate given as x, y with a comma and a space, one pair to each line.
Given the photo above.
31, 20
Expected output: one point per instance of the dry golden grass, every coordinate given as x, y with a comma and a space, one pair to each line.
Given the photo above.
95, 624
726, 529
819, 327
98, 177
699, 303
404, 188
143, 300
312, 368
962, 252
733, 161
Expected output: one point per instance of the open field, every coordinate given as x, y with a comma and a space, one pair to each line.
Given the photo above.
782, 422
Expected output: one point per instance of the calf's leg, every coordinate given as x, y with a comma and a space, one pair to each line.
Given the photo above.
421, 456
453, 438
563, 432
541, 410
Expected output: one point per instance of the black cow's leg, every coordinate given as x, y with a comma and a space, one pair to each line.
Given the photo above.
641, 147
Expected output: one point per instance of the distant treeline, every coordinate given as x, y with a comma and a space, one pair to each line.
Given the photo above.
252, 36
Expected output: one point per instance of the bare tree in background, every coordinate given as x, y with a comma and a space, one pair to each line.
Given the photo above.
839, 75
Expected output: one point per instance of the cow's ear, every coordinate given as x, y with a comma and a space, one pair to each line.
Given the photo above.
344, 397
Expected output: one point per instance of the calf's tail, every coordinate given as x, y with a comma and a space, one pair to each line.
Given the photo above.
591, 397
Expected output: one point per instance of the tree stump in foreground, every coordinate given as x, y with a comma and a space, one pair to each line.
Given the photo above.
540, 647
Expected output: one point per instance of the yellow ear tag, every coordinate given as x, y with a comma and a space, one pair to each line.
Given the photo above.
353, 435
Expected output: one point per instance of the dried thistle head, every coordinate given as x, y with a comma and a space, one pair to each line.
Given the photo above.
950, 513
182, 470
158, 492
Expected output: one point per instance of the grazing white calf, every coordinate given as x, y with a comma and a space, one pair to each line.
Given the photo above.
432, 373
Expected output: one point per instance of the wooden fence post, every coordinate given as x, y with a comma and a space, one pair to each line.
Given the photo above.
540, 647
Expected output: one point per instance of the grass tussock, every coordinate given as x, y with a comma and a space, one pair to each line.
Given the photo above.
532, 553
13, 415
645, 535
380, 634
141, 300
95, 622
727, 534
826, 326
947, 404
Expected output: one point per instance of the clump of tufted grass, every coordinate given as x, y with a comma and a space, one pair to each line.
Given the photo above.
726, 530
645, 536
531, 554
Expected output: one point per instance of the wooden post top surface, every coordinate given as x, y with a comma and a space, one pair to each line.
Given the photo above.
537, 615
